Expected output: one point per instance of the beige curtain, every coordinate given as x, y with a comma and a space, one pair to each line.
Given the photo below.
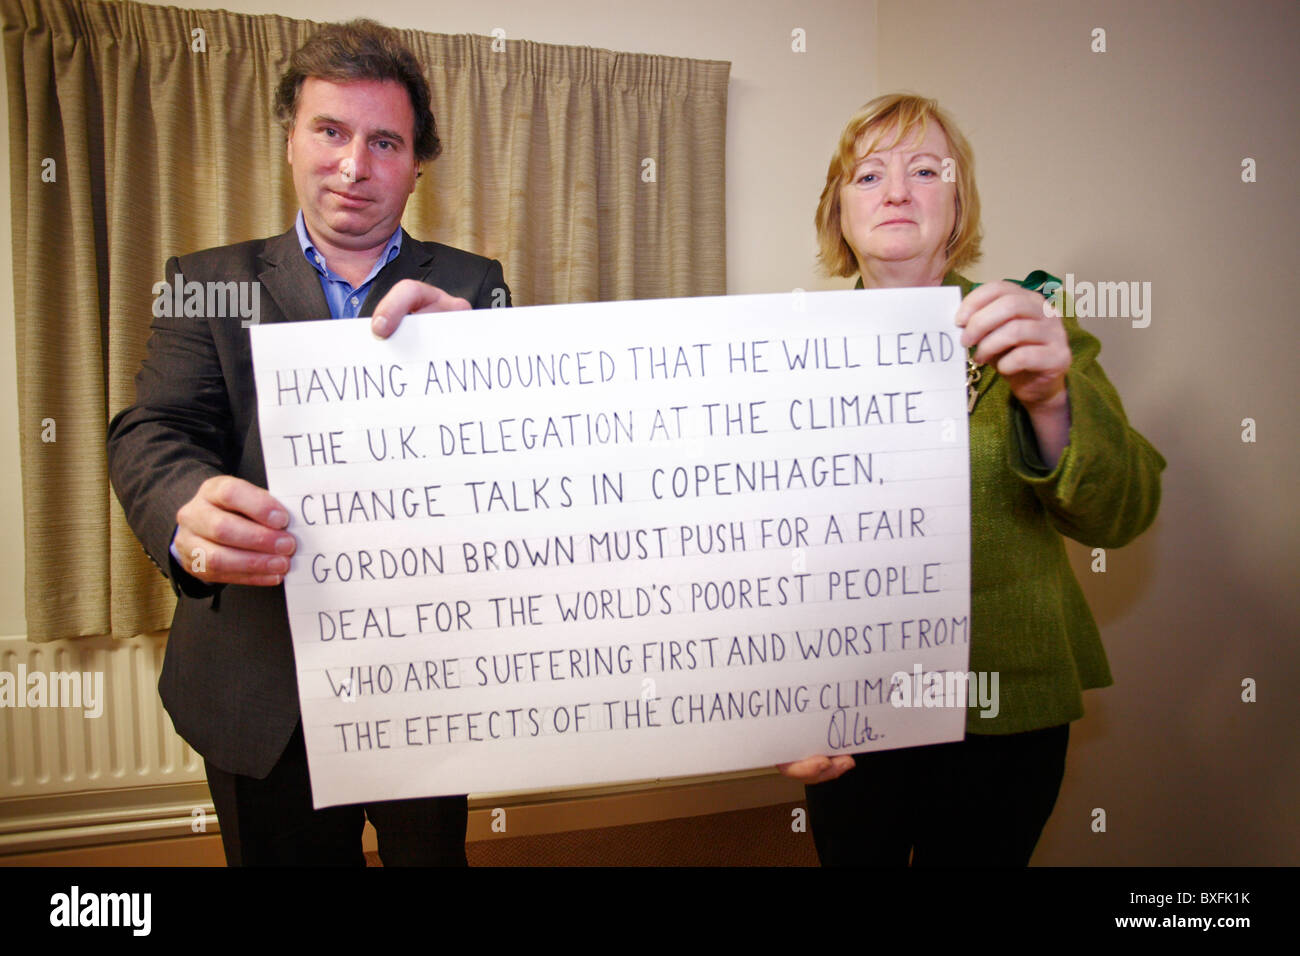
139, 132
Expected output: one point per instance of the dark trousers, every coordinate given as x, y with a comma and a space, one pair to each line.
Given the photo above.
982, 801
271, 822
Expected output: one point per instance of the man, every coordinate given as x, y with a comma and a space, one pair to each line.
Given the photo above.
186, 458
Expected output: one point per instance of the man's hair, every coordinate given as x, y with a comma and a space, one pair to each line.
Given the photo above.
902, 113
359, 50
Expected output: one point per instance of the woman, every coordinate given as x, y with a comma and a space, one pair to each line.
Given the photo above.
1051, 453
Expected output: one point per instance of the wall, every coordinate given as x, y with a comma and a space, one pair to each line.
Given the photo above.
1126, 165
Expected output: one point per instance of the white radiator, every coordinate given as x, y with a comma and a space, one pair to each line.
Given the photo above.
67, 778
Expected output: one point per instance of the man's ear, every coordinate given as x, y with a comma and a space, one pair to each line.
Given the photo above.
288, 147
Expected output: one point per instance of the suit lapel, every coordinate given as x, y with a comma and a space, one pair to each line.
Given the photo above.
293, 289
291, 283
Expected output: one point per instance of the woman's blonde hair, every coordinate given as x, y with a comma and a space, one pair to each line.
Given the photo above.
904, 113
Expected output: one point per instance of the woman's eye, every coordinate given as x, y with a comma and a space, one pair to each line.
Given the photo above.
926, 173
868, 178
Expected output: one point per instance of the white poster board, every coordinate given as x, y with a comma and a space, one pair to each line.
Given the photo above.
568, 545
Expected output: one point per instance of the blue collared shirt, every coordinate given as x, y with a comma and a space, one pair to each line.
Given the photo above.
344, 301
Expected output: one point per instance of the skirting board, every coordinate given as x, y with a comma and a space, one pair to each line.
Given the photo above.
164, 825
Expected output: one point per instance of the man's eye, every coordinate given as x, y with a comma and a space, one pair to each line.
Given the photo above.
386, 144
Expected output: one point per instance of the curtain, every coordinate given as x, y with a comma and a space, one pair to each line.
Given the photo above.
139, 132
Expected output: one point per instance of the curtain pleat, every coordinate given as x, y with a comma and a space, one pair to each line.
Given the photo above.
591, 175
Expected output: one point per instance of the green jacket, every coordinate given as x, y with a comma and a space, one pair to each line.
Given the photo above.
1029, 619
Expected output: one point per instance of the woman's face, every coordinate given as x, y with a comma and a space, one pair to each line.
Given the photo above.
896, 207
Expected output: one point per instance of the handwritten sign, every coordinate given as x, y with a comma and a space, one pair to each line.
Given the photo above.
567, 545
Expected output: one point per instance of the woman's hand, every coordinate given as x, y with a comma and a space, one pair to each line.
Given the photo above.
817, 769
1021, 335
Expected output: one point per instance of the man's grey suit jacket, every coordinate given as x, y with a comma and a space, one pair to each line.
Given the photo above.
228, 680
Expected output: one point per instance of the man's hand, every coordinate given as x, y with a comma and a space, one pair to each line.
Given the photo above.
410, 296
817, 769
237, 530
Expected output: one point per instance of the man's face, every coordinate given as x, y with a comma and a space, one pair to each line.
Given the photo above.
352, 151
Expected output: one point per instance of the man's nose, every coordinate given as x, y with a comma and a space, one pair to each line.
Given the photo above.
355, 163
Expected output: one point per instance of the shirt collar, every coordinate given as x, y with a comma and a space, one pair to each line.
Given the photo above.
317, 261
